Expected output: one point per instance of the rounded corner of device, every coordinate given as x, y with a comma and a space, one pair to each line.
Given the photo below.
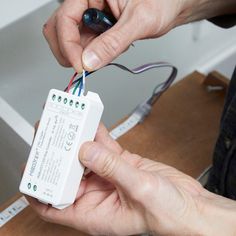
22, 190
52, 90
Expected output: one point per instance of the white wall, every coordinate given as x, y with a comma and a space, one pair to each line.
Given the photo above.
28, 69
11, 10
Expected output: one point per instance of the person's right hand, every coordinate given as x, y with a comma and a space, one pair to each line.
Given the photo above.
74, 45
127, 194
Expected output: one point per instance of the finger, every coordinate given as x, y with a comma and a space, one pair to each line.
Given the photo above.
81, 190
103, 137
109, 165
116, 7
51, 214
98, 4
36, 205
67, 20
86, 36
106, 47
50, 34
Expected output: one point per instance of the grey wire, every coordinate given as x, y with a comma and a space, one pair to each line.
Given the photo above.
164, 86
138, 70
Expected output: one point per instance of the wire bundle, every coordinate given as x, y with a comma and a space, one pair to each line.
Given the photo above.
79, 83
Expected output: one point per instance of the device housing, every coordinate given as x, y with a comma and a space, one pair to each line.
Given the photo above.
53, 171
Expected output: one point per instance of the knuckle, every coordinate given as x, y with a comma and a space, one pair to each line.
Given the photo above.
45, 30
97, 2
44, 218
36, 125
43, 215
59, 17
63, 62
48, 27
85, 148
109, 166
110, 44
148, 18
144, 189
59, 13
145, 18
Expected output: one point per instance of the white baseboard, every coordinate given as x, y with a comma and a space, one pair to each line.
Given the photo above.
11, 117
223, 61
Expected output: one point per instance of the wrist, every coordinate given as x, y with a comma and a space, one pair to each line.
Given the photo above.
194, 10
206, 214
216, 215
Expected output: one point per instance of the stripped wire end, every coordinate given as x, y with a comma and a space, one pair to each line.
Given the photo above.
77, 82
82, 84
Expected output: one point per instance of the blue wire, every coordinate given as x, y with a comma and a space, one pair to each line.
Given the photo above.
81, 86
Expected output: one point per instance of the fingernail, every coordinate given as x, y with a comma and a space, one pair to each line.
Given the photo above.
87, 152
91, 60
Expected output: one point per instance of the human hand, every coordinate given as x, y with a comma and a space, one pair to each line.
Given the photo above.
73, 44
127, 194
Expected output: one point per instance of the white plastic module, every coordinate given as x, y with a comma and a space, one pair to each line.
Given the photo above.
53, 171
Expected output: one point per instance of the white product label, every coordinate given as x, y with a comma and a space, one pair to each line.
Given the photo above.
60, 126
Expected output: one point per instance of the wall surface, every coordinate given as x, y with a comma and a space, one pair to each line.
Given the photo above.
14, 152
11, 10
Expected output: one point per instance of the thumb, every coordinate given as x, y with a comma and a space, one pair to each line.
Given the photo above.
106, 47
108, 165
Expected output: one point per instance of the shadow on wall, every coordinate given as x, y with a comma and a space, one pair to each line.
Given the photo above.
14, 153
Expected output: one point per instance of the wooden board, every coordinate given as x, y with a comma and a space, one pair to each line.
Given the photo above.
183, 126
180, 131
